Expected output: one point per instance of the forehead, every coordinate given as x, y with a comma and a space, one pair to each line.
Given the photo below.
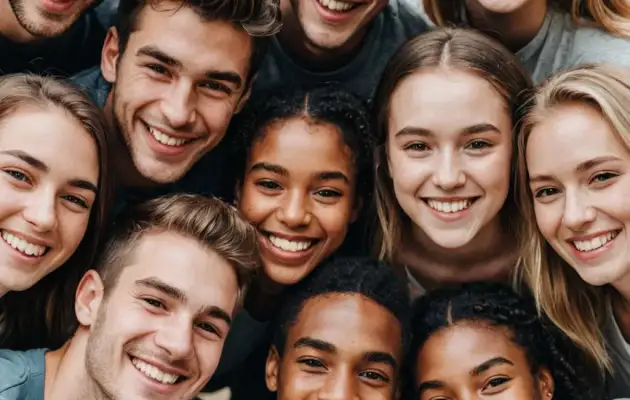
425, 98
303, 146
185, 36
203, 275
564, 126
352, 323
462, 347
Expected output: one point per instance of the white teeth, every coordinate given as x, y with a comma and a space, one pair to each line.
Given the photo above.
449, 206
166, 139
335, 5
153, 372
595, 243
289, 245
21, 245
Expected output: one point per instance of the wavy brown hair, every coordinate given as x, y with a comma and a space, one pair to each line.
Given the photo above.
612, 15
39, 316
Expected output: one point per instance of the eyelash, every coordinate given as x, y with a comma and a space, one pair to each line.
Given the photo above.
312, 363
544, 192
269, 185
485, 144
375, 376
22, 177
154, 303
17, 175
417, 146
606, 174
495, 382
211, 85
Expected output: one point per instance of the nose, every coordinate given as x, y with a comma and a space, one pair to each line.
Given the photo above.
339, 385
178, 105
41, 211
294, 211
176, 338
448, 175
578, 213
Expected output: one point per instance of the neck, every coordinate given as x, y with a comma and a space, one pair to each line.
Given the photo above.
127, 175
514, 29
10, 27
295, 43
66, 375
489, 256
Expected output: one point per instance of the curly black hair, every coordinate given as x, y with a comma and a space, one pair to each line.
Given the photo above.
321, 104
373, 279
498, 305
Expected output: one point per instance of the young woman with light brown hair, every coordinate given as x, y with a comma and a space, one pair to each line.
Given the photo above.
573, 188
54, 196
546, 35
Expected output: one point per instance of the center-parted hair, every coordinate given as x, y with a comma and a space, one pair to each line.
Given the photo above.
369, 278
209, 221
498, 305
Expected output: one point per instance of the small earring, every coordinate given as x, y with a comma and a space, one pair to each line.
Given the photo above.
550, 394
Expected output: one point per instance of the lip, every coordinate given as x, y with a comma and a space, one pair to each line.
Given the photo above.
336, 17
29, 238
57, 7
289, 258
155, 385
23, 258
453, 216
586, 256
162, 149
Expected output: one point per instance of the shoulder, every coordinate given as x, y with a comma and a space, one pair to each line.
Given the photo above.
18, 369
93, 84
595, 45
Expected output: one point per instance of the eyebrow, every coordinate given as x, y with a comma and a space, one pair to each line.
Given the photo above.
424, 386
333, 176
40, 165
469, 130
315, 344
381, 357
493, 362
154, 52
176, 294
273, 168
582, 167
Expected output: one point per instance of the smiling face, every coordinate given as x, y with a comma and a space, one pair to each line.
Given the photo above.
159, 332
299, 192
46, 195
581, 198
343, 346
176, 87
450, 170
472, 360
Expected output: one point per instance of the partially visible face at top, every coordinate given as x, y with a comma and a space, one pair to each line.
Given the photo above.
159, 331
334, 24
343, 346
477, 361
299, 191
503, 6
581, 197
47, 195
449, 151
48, 18
176, 87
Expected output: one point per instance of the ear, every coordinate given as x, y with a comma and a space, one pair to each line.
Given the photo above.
245, 96
546, 384
88, 298
271, 369
109, 55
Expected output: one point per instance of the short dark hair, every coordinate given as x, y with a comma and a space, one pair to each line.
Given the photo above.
372, 279
498, 305
321, 104
207, 220
260, 18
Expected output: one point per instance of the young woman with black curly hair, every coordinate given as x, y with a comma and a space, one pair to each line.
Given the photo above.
484, 340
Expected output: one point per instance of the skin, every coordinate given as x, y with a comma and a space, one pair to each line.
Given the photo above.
30, 20
466, 156
171, 307
299, 185
319, 42
46, 196
180, 75
471, 360
343, 346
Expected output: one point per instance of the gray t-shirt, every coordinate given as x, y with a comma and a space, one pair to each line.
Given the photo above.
397, 23
619, 351
561, 44
22, 374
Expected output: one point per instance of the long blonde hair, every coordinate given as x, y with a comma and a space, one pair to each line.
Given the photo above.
612, 15
575, 307
463, 49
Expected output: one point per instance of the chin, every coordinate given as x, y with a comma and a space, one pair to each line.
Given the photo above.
449, 240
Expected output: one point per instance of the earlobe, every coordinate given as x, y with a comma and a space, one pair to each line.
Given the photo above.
546, 384
271, 369
88, 298
109, 55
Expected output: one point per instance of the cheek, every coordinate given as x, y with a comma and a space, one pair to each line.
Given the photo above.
407, 174
254, 206
335, 220
73, 227
217, 114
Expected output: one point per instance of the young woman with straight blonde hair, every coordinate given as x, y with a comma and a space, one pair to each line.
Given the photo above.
546, 35
574, 191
